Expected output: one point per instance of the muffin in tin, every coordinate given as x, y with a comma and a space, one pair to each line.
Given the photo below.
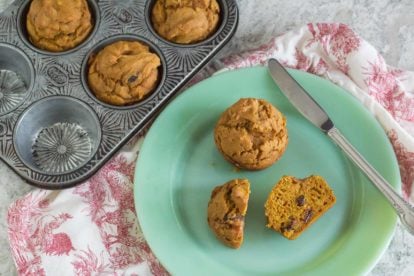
123, 73
185, 21
57, 25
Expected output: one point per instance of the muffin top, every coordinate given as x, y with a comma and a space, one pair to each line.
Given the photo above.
185, 21
123, 73
251, 134
57, 25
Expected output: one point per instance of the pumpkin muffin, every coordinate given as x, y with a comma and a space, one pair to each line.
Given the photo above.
185, 21
251, 134
123, 73
227, 209
294, 204
57, 25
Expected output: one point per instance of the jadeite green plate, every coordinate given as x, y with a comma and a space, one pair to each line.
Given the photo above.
179, 166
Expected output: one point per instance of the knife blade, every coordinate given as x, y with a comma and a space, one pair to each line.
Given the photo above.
311, 110
305, 104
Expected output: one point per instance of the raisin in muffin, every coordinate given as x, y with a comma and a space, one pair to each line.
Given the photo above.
123, 72
57, 25
185, 21
251, 134
227, 209
294, 204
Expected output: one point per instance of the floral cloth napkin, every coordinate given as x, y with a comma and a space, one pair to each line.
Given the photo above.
92, 229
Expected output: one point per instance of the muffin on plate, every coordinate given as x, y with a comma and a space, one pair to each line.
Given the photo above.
123, 73
294, 204
251, 134
227, 209
57, 25
185, 21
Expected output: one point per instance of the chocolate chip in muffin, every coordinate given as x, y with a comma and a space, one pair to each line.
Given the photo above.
300, 200
132, 78
308, 215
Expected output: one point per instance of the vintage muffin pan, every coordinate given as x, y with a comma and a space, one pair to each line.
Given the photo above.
53, 131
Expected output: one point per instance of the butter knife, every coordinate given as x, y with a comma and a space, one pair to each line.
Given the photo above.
311, 110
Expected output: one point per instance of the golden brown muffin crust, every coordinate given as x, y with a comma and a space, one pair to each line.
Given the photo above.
185, 21
227, 209
251, 134
123, 72
58, 25
294, 204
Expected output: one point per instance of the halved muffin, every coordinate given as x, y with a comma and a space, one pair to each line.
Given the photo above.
227, 209
294, 204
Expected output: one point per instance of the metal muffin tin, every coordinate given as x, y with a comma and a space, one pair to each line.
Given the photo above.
53, 131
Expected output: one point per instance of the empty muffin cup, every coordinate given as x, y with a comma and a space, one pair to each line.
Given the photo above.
16, 77
55, 28
57, 135
122, 71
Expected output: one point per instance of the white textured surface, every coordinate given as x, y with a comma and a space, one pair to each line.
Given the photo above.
387, 24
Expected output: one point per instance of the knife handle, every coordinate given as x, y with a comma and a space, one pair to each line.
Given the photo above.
404, 210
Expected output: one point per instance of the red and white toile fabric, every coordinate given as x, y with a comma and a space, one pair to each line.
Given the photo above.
92, 229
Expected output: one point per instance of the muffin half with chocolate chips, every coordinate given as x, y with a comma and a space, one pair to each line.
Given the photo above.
227, 209
123, 73
294, 204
